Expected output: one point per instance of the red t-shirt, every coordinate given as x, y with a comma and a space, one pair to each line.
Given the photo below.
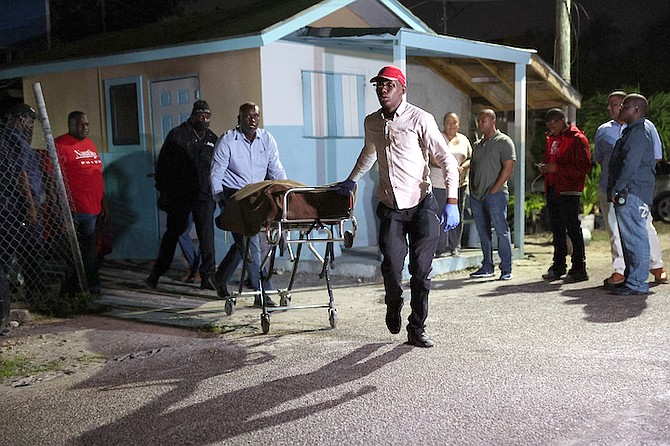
82, 171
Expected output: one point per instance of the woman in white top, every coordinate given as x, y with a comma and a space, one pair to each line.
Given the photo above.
459, 144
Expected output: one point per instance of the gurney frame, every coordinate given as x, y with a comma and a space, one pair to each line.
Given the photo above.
341, 229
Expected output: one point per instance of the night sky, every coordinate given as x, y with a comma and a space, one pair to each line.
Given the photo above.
495, 19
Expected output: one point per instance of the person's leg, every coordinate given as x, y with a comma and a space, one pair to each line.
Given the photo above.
85, 228
557, 223
444, 241
609, 218
422, 230
632, 221
483, 225
655, 253
496, 204
231, 261
177, 220
569, 206
255, 260
203, 216
186, 244
393, 246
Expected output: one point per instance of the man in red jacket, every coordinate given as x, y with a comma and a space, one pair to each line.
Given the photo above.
567, 161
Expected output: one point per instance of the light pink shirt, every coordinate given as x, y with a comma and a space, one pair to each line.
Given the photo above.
401, 146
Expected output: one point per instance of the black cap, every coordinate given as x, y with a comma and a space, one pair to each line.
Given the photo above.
201, 107
22, 109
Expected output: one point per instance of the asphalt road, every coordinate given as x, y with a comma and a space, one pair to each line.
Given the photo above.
521, 362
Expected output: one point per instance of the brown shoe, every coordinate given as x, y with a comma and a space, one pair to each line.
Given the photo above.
187, 277
615, 279
660, 276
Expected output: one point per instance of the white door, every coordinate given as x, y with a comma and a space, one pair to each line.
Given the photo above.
171, 104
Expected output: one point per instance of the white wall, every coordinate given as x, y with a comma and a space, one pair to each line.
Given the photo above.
323, 160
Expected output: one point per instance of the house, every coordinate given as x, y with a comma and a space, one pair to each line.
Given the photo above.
306, 63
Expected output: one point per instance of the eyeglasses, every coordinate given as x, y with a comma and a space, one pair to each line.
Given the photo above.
388, 85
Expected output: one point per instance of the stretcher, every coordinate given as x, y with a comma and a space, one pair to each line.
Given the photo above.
292, 216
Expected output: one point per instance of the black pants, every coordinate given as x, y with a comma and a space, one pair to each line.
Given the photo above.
564, 218
177, 222
413, 230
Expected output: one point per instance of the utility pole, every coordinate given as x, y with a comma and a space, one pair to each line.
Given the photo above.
562, 46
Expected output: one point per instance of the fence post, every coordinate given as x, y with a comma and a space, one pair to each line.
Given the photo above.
60, 187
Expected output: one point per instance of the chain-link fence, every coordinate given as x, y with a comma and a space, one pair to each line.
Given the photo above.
37, 255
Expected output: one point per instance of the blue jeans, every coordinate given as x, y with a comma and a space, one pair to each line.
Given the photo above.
492, 212
192, 255
632, 221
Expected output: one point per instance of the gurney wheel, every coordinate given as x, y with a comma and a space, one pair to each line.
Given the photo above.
348, 239
265, 323
229, 307
332, 317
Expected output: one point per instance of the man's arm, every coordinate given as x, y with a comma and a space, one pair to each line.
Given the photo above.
220, 162
367, 157
504, 175
275, 168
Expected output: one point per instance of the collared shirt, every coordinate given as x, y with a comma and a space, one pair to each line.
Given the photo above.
488, 157
401, 147
238, 161
607, 135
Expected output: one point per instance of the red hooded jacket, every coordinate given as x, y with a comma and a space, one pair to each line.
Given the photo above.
570, 151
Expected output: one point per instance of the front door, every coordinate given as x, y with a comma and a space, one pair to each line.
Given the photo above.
171, 104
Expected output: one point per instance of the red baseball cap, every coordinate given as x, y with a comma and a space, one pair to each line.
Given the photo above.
392, 73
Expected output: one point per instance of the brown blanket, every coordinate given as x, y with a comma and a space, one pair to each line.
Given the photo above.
253, 206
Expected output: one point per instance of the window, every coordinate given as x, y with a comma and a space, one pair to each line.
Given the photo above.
124, 113
333, 104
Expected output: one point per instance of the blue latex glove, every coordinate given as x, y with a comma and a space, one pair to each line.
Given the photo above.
346, 187
451, 216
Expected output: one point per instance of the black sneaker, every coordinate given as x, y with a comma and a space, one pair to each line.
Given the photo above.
576, 275
553, 274
210, 283
482, 273
419, 339
151, 282
394, 318
268, 301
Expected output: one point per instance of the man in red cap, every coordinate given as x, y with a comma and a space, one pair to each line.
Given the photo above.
399, 136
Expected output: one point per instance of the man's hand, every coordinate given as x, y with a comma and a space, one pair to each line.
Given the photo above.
451, 216
346, 187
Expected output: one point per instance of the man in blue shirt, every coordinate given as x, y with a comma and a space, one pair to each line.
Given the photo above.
630, 186
243, 155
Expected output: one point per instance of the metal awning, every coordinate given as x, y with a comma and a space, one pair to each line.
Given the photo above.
478, 69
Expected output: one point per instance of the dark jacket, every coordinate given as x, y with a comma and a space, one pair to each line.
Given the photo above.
632, 164
570, 151
182, 169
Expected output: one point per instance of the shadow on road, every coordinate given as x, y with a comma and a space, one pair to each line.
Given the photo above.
602, 307
176, 417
